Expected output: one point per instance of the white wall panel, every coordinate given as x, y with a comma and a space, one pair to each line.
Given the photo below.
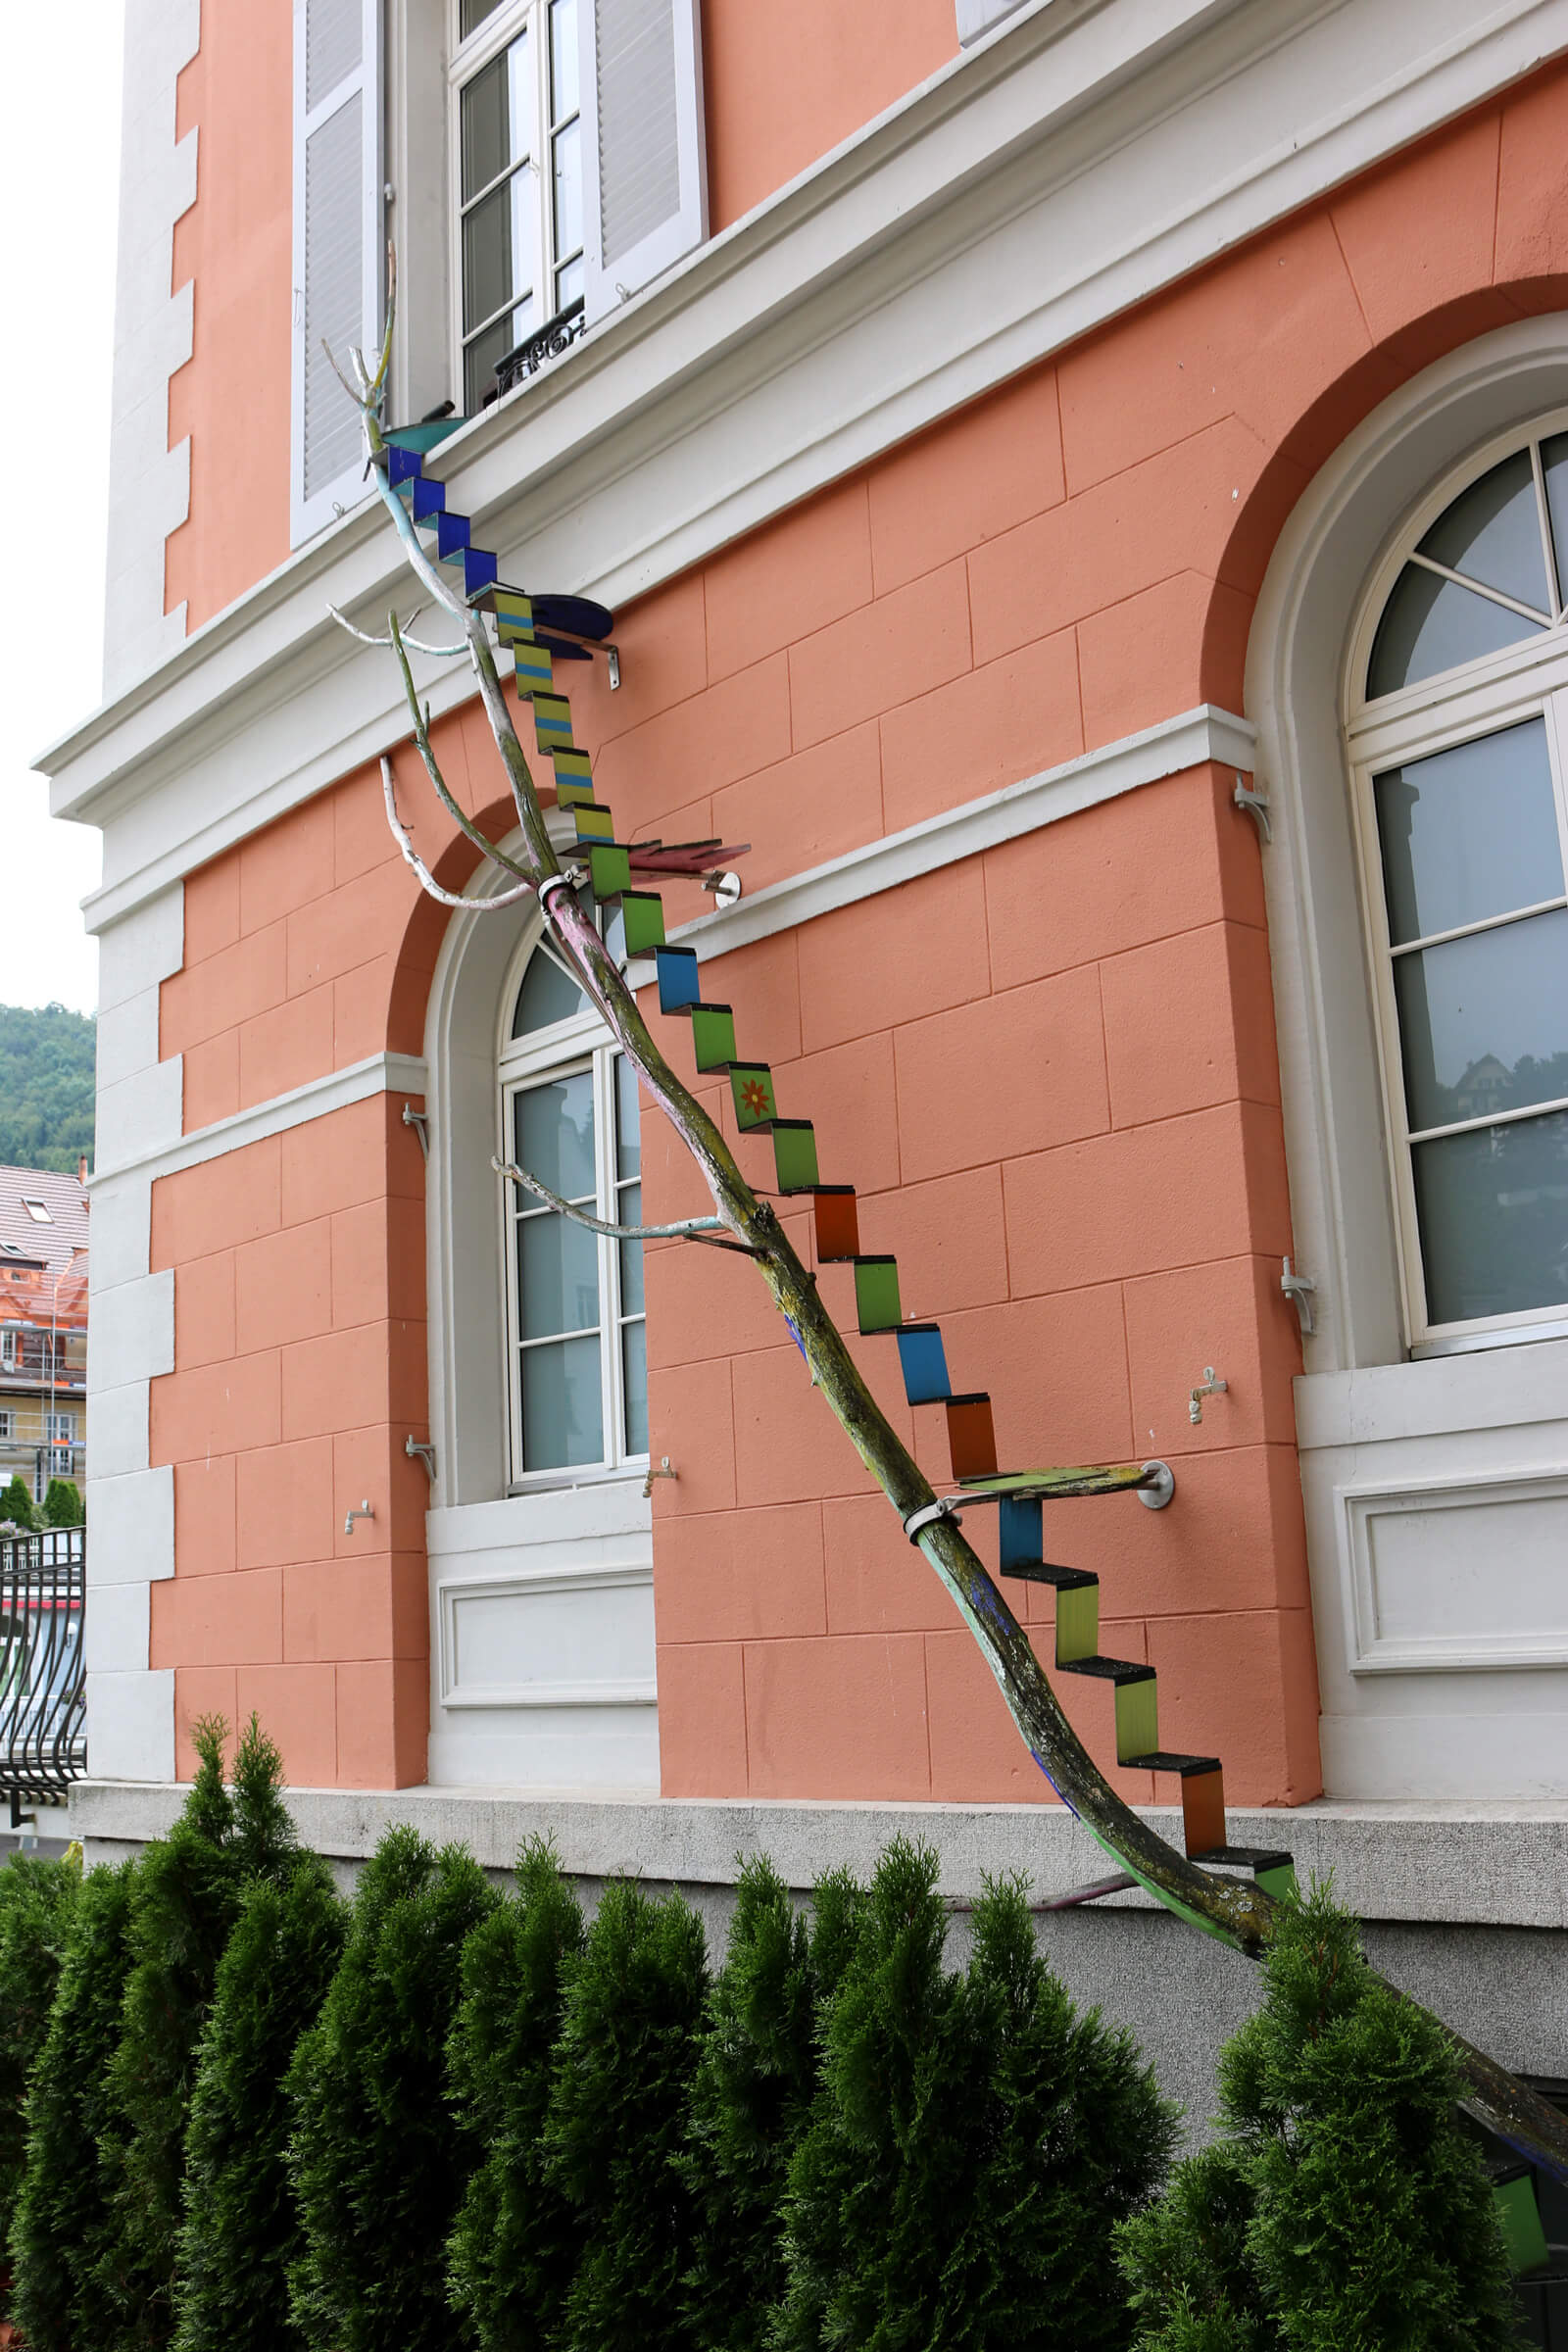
132, 1521
130, 1724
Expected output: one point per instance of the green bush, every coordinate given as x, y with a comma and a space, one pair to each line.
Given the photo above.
515, 2247
62, 1506
379, 2159
17, 1506
241, 2229
37, 1903
752, 2099
1348, 2207
186, 1898
62, 2232
617, 2116
974, 2145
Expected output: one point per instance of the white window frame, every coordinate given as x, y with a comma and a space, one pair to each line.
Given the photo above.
565, 1048
466, 59
6, 1423
60, 1429
1522, 682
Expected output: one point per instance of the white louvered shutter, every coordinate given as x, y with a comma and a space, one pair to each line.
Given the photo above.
337, 245
645, 161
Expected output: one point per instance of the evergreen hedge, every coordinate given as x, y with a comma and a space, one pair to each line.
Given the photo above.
975, 2141
17, 1506
1347, 2206
241, 2230
513, 2245
186, 1896
623, 2069
37, 1904
61, 1504
751, 2097
62, 2229
379, 2158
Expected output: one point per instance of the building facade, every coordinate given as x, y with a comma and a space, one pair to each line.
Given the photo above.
1084, 493
43, 1327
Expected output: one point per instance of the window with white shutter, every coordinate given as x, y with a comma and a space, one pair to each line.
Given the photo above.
337, 245
644, 158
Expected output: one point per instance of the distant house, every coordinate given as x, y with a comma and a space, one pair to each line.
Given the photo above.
43, 1326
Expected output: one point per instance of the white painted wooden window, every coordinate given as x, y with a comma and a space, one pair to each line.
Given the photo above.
338, 257
577, 163
576, 1362
1458, 729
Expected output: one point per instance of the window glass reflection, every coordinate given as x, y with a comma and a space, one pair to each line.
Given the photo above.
1431, 624
1493, 1207
1484, 1021
1491, 532
554, 1135
1469, 833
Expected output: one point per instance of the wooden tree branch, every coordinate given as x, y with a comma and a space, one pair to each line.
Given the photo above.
1235, 1911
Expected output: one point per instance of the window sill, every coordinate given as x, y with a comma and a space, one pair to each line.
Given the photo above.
1477, 1343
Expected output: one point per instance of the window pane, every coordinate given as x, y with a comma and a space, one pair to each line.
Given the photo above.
568, 285
1494, 1213
1484, 1021
628, 1123
1468, 833
1491, 532
497, 116
546, 996
498, 250
568, 145
557, 1276
634, 1359
488, 347
554, 1135
563, 59
474, 13
630, 1212
1554, 465
562, 1418
1430, 625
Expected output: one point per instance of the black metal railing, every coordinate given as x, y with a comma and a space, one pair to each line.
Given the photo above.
548, 342
43, 1710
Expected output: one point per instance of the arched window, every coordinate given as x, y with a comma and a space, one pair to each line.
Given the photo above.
577, 1376
1457, 726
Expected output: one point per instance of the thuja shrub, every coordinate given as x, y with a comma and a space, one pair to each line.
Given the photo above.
241, 2230
186, 1896
37, 1903
752, 2099
617, 2116
975, 2141
515, 2242
16, 1507
63, 2232
62, 1506
1346, 2206
380, 2157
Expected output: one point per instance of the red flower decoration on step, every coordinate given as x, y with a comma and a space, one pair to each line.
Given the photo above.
754, 1096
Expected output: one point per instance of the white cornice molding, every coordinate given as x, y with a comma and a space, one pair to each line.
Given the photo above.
376, 1074
1176, 744
1069, 166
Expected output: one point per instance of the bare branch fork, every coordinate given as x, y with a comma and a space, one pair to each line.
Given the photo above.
1237, 1912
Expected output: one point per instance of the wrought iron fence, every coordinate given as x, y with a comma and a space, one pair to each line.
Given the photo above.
43, 1730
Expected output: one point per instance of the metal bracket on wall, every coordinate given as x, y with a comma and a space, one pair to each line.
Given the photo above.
612, 657
1301, 1290
417, 1453
419, 1121
1257, 807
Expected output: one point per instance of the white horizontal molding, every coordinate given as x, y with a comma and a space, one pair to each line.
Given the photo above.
376, 1074
1167, 749
1458, 1574
1440, 1395
1079, 160
599, 1510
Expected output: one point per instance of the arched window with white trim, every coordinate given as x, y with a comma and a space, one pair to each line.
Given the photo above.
1456, 726
576, 1362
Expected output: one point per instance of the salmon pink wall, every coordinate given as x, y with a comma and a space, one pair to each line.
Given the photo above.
232, 395
1049, 1070
782, 86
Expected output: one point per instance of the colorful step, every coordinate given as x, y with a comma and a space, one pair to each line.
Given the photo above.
837, 1218
712, 1036
594, 821
876, 1294
750, 1087
675, 971
923, 1362
552, 721
641, 914
795, 1155
972, 1436
532, 668
608, 869
452, 537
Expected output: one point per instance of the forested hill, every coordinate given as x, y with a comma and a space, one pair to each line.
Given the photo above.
46, 1086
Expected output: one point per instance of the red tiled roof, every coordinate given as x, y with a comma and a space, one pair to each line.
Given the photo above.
66, 1200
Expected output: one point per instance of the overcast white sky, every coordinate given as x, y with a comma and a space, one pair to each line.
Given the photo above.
59, 184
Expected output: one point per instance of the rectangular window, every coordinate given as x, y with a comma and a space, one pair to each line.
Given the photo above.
60, 1429
1470, 842
517, 144
8, 1426
580, 1385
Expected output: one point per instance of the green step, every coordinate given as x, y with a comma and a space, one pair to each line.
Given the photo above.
795, 1155
641, 914
876, 1294
712, 1036
608, 869
750, 1086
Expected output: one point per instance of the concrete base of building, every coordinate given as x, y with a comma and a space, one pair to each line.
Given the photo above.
1465, 1907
